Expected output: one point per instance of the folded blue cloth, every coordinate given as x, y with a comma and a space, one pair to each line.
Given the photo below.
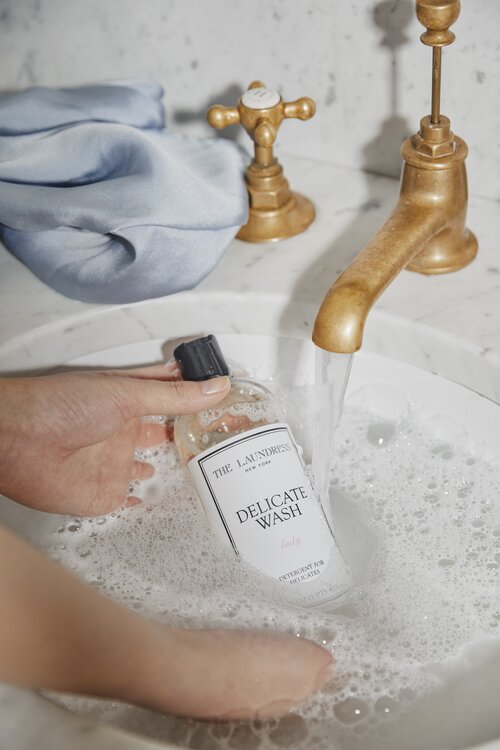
105, 205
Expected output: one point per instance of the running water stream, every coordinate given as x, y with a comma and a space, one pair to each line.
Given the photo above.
332, 376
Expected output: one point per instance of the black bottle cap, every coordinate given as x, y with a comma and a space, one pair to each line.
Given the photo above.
201, 359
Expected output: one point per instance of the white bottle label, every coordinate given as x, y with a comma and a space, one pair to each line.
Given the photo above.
257, 494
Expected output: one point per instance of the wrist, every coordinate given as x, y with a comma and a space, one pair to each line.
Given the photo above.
9, 432
117, 653
145, 658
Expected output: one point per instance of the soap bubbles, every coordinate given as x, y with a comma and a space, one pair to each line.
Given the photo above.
415, 506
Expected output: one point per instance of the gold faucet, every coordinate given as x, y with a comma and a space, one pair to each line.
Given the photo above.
275, 212
426, 231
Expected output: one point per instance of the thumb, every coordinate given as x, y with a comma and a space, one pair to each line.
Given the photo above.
173, 397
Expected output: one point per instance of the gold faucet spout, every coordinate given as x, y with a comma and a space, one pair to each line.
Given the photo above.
342, 316
425, 233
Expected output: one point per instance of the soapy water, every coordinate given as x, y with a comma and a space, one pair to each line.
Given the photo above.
417, 640
258, 411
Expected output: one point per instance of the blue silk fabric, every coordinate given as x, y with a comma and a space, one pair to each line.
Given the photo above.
103, 203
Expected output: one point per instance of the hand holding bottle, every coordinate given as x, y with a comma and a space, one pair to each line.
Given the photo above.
67, 441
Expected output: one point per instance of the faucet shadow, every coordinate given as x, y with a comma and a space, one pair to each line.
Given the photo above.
381, 154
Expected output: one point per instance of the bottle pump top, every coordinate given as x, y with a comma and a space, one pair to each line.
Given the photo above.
201, 359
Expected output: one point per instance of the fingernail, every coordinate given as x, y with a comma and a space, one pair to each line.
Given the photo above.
215, 385
171, 366
131, 501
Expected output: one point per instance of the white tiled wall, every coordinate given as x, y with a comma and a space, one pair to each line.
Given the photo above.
361, 60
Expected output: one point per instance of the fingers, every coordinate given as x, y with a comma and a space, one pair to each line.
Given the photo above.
141, 470
151, 434
173, 397
132, 501
168, 371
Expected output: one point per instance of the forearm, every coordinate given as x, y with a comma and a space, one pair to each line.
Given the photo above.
58, 633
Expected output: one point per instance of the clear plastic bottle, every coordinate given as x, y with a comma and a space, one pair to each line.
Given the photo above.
253, 485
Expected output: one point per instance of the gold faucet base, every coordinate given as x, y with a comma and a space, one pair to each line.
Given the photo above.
272, 225
275, 212
445, 253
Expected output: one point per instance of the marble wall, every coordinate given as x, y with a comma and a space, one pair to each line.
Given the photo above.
361, 60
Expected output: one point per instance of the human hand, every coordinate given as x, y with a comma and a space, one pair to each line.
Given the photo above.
228, 675
58, 633
67, 441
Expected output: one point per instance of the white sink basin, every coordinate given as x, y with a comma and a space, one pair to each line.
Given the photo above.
413, 445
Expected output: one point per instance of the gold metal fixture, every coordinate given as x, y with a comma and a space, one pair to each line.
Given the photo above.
275, 211
426, 232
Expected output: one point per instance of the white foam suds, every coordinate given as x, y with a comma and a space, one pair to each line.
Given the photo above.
417, 517
258, 411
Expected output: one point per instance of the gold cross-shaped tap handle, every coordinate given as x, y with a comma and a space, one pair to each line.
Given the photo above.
261, 111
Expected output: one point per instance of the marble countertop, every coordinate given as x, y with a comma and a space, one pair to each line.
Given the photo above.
448, 324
